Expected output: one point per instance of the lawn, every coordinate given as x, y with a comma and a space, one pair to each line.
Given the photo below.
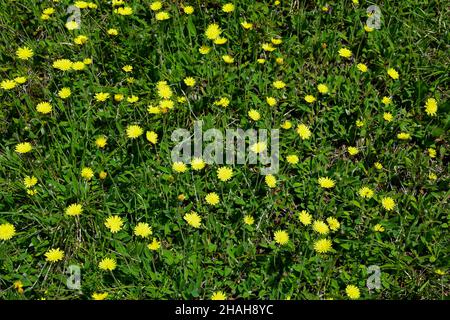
94, 206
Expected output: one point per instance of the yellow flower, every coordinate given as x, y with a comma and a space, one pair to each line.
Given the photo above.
310, 99
270, 180
388, 203
432, 176
124, 11
323, 245
31, 192
193, 219
261, 60
204, 49
87, 173
54, 255
228, 7
286, 125
271, 101
378, 228
152, 136
72, 25
359, 123
212, 198
393, 73
323, 88
189, 81
8, 84
276, 41
386, 100
48, 11
366, 192
80, 40
431, 107
278, 84
258, 147
101, 96
197, 164
305, 218
74, 209
114, 223
326, 183
220, 40
387, 116
44, 107
362, 67
112, 32
132, 99
154, 245
64, 93
249, 220
102, 175
352, 292
23, 147
78, 65
20, 80
127, 68
155, 6
432, 152
320, 227
403, 136
247, 25
333, 223
224, 173
344, 52
213, 31
87, 61
162, 15
143, 229
134, 131
267, 47
99, 296
218, 295
29, 181
281, 237
292, 159
179, 167
254, 115
367, 28
24, 53
101, 141
228, 59
188, 10
353, 151
164, 90
7, 231
107, 264
378, 166
18, 285
303, 131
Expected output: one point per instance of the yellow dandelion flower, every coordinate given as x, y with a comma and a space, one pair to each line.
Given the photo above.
193, 219
352, 151
30, 181
388, 203
346, 53
378, 228
387, 116
101, 141
151, 137
258, 147
247, 25
99, 296
228, 7
87, 173
24, 53
162, 15
108, 264
270, 180
227, 58
204, 49
213, 31
432, 152
112, 32
24, 147
197, 164
333, 223
143, 230
281, 237
188, 10
212, 198
305, 218
219, 295
366, 192
189, 81
8, 84
114, 223
74, 209
54, 255
134, 131
64, 93
179, 167
431, 107
224, 173
249, 220
271, 101
320, 227
292, 159
393, 73
286, 125
278, 84
254, 115
326, 182
362, 67
323, 245
7, 231
72, 25
323, 88
303, 131
352, 291
154, 245
44, 107
403, 136
155, 6
310, 98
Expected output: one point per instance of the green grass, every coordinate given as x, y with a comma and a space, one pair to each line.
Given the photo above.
225, 254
